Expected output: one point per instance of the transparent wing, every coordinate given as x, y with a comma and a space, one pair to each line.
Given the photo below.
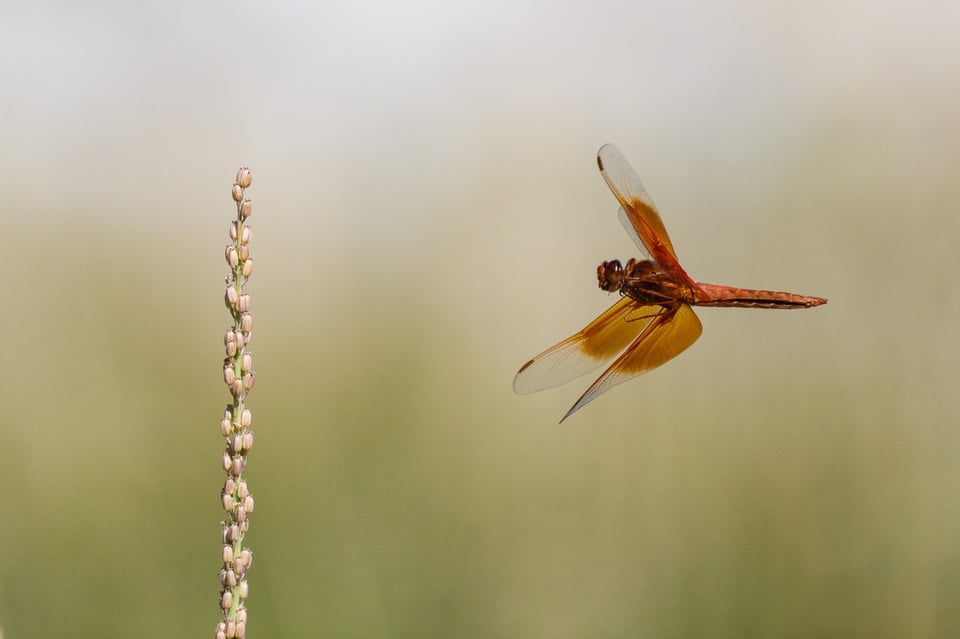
631, 230
638, 211
666, 336
599, 342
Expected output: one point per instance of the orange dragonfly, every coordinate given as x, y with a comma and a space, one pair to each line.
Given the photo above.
652, 322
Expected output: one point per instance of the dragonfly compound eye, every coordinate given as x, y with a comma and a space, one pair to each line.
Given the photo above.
610, 275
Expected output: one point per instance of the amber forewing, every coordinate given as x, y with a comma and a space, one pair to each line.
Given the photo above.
636, 202
668, 335
600, 341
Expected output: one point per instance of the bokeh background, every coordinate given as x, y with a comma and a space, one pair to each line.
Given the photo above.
428, 216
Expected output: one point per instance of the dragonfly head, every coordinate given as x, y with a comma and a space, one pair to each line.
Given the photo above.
610, 275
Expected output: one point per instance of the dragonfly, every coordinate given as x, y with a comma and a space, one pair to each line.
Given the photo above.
653, 321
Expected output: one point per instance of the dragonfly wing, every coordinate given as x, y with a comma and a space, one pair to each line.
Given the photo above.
666, 336
638, 214
636, 202
599, 342
631, 229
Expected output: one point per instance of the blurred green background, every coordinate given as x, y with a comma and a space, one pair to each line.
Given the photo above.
428, 216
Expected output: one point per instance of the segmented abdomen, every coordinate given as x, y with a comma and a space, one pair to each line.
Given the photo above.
717, 295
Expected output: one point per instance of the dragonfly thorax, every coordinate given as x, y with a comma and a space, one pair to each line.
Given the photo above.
613, 276
643, 281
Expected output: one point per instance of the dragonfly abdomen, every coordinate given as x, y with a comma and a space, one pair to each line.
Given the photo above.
717, 295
